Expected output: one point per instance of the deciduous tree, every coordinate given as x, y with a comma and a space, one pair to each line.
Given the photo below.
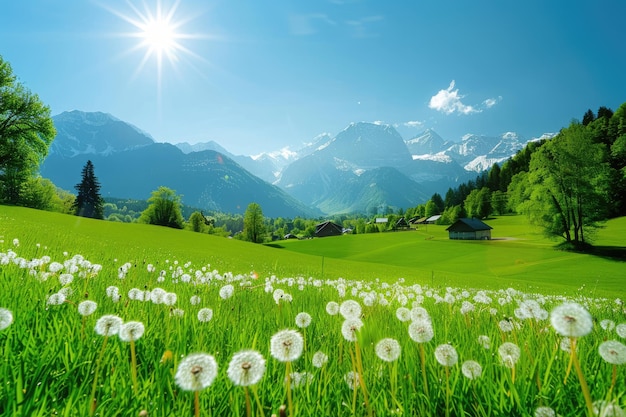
164, 209
253, 223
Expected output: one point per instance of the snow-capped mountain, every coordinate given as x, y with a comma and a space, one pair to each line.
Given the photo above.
95, 133
364, 166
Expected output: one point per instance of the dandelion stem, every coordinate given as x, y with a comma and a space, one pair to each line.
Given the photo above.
359, 365
92, 398
581, 378
288, 382
196, 403
133, 368
447, 392
258, 401
423, 360
569, 368
248, 405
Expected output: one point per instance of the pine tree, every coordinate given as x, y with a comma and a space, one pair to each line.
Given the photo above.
89, 203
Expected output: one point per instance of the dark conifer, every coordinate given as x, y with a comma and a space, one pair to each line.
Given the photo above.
88, 202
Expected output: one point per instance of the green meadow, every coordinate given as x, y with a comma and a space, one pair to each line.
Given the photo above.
518, 256
389, 324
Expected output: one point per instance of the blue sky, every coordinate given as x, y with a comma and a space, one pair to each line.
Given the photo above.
261, 75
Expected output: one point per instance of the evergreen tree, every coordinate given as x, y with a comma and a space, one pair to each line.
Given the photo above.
88, 202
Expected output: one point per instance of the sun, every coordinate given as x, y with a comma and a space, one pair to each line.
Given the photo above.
159, 31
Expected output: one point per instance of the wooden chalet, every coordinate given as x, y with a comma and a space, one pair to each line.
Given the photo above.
328, 229
469, 229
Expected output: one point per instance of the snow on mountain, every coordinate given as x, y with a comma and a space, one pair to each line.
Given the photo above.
427, 143
95, 133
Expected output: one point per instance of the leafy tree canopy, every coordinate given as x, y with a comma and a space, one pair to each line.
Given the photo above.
164, 209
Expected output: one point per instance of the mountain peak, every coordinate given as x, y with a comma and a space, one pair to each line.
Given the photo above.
95, 133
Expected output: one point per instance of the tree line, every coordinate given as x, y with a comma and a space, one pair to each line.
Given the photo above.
568, 184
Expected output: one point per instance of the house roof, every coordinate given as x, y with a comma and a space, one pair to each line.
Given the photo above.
328, 225
433, 218
465, 224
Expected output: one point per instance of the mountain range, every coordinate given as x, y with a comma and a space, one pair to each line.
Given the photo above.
367, 167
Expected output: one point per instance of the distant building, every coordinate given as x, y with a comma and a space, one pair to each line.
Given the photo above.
402, 224
469, 229
432, 219
381, 220
328, 229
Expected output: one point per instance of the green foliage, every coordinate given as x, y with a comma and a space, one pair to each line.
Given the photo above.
164, 209
569, 178
478, 203
40, 193
254, 224
26, 131
197, 222
89, 202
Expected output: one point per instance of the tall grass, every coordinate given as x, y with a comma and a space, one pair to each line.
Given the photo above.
49, 364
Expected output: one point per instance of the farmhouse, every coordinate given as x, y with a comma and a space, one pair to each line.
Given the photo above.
469, 229
328, 229
402, 224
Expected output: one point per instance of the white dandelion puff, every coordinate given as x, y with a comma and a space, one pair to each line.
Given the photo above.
403, 314
484, 341
471, 369
352, 379
246, 368
196, 372
544, 412
602, 408
6, 318
620, 329
350, 309
350, 328
205, 315
108, 325
571, 319
319, 359
388, 349
303, 320
613, 352
332, 308
286, 345
56, 299
131, 330
509, 354
421, 331
227, 291
87, 307
446, 355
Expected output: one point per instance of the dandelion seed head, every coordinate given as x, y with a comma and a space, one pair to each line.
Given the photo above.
299, 379
446, 355
509, 354
505, 326
196, 372
607, 324
6, 318
195, 300
613, 352
131, 331
205, 314
421, 331
602, 408
246, 368
286, 345
544, 412
471, 369
350, 309
108, 325
388, 349
170, 298
227, 291
87, 307
319, 359
350, 328
571, 319
620, 329
352, 379
403, 314
484, 341
303, 320
56, 299
332, 308
66, 279
419, 313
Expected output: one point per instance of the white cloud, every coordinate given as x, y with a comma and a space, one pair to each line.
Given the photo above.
490, 102
449, 101
413, 123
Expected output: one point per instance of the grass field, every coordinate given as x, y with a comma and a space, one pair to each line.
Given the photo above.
466, 328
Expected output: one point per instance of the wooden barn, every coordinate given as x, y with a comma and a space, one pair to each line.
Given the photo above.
469, 229
328, 229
